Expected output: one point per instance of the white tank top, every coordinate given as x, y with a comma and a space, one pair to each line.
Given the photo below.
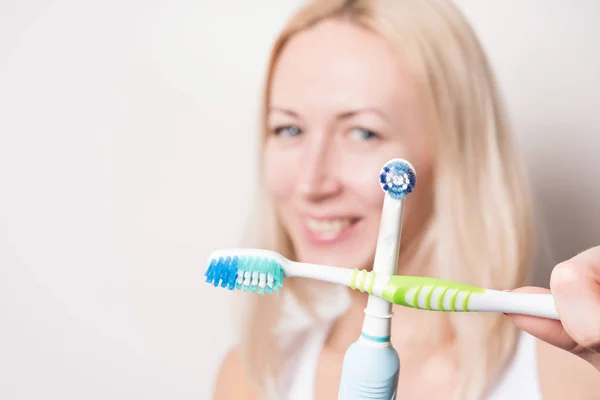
518, 381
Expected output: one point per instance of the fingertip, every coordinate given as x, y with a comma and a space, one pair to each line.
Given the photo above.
563, 274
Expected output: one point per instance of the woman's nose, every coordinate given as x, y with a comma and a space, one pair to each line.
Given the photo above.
318, 174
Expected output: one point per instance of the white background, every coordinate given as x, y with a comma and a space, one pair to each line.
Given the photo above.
127, 148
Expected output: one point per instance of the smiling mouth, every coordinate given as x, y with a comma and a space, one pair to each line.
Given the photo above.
328, 230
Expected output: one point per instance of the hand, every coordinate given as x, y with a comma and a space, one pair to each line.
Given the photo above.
575, 285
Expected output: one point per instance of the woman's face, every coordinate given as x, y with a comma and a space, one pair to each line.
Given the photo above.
341, 107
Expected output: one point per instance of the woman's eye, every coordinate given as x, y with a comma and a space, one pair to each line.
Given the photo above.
289, 130
363, 134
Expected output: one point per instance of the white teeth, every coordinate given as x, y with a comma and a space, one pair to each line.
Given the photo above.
327, 226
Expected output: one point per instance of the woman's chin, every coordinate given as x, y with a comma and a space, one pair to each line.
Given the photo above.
347, 248
337, 258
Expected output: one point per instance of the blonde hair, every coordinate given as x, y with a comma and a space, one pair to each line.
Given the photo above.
481, 231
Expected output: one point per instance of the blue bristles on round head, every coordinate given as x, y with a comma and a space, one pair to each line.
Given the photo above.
398, 178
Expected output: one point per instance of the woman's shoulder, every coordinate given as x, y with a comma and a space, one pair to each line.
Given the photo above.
232, 381
564, 375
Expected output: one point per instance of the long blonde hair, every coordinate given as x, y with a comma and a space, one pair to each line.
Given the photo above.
481, 231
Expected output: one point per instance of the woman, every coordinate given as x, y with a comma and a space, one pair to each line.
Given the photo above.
350, 85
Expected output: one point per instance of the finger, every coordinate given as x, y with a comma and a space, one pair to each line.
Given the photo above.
589, 257
548, 330
575, 285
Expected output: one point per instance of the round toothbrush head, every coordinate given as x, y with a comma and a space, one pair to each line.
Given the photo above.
398, 178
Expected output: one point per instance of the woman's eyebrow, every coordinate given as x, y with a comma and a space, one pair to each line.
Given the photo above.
340, 116
284, 111
354, 112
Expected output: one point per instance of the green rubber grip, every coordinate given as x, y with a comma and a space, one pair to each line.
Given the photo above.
397, 288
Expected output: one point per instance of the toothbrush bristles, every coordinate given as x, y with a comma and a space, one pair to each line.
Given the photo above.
250, 274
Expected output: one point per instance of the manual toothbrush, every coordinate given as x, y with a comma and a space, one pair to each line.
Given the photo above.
263, 271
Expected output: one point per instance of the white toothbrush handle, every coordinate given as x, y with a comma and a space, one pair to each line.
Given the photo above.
534, 304
438, 295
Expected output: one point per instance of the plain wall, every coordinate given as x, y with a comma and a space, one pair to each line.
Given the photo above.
127, 154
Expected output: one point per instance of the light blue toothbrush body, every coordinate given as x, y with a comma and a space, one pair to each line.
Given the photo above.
369, 373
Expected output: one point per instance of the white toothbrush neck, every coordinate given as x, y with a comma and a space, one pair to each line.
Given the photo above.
377, 322
388, 242
324, 273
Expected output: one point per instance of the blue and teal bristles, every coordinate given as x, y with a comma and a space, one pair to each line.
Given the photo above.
254, 274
